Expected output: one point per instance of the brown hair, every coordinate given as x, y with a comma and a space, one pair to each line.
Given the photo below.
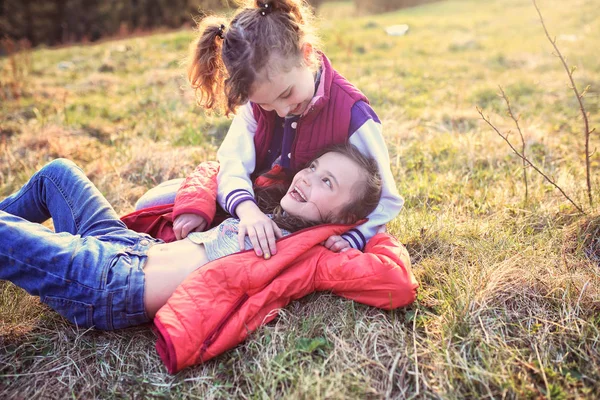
367, 194
227, 58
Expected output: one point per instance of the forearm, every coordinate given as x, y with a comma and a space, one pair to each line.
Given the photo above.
197, 194
246, 208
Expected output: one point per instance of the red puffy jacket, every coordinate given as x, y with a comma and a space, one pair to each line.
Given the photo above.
219, 304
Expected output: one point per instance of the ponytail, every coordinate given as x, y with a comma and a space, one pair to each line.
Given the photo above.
206, 71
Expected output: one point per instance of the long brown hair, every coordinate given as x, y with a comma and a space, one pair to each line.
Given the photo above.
366, 198
227, 58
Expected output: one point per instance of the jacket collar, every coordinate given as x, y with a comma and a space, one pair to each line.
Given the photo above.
325, 81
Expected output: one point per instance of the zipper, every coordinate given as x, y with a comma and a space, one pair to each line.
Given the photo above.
217, 330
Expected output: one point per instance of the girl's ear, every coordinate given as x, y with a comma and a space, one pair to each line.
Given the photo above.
307, 53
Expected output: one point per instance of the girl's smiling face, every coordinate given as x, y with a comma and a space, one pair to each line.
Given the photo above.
323, 188
283, 90
286, 93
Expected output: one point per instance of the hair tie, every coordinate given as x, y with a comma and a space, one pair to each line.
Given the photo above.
265, 9
221, 31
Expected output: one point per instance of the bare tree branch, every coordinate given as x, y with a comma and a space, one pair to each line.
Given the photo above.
581, 107
529, 162
516, 120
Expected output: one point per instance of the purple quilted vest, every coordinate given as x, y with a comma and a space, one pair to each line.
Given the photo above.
326, 122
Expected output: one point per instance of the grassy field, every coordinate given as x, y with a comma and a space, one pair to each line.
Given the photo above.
510, 289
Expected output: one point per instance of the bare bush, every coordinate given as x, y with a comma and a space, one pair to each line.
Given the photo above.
587, 131
14, 74
586, 127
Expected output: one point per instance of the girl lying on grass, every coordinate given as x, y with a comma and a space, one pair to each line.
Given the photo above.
217, 306
97, 273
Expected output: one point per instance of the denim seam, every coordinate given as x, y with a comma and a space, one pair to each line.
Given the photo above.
130, 310
109, 311
62, 193
105, 268
63, 279
143, 296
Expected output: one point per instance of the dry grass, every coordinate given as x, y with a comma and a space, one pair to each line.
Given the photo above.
510, 291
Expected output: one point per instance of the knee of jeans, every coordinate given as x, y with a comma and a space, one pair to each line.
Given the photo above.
60, 164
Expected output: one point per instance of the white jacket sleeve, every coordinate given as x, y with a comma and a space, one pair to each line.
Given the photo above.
237, 159
369, 140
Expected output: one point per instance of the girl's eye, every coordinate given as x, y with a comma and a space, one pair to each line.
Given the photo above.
312, 167
287, 95
327, 181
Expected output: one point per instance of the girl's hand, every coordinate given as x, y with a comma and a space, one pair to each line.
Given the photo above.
186, 223
336, 244
261, 230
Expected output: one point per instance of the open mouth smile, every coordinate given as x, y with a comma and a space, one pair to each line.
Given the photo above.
298, 195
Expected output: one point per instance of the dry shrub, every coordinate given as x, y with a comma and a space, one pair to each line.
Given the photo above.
144, 170
381, 6
155, 165
15, 71
23, 154
36, 147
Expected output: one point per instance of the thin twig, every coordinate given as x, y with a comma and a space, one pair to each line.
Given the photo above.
529, 162
587, 131
388, 393
548, 394
580, 296
415, 349
516, 120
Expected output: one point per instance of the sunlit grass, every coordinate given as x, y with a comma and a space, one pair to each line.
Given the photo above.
510, 290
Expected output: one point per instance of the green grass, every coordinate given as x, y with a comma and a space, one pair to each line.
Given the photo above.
510, 290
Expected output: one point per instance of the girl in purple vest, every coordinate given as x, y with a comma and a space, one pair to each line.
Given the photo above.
264, 65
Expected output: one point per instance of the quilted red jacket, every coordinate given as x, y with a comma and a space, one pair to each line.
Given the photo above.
218, 305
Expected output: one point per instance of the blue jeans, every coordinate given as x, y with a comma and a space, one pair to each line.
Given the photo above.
89, 269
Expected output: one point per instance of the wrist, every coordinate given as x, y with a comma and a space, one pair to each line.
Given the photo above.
246, 207
235, 198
